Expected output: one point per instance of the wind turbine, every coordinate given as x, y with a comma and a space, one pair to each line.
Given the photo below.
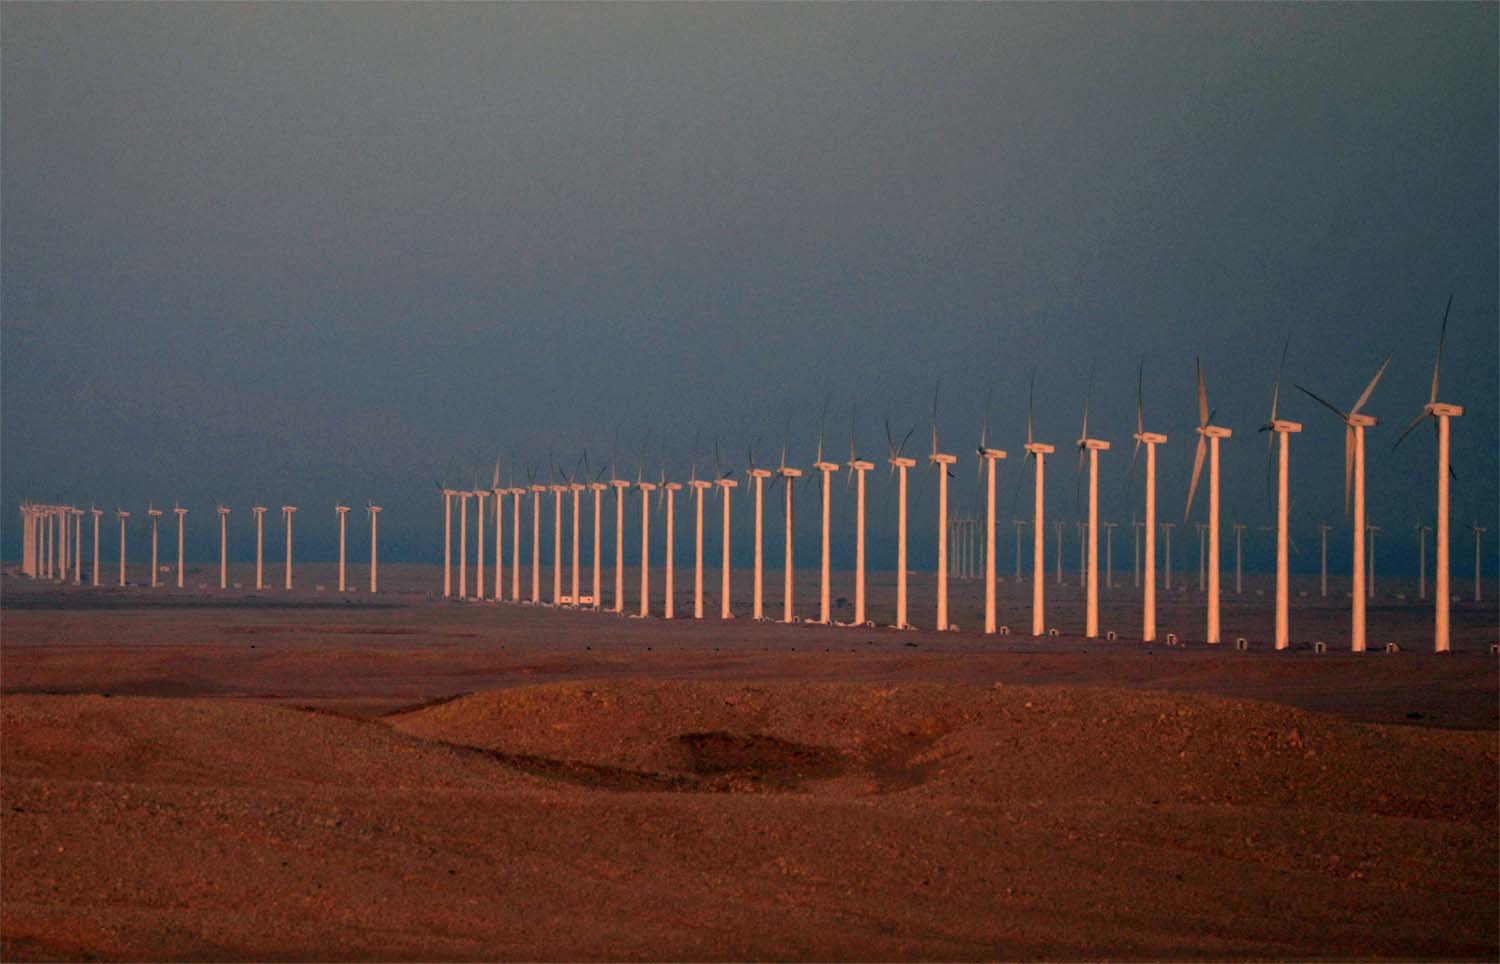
94, 573
448, 495
1440, 413
985, 459
557, 512
941, 460
374, 511
259, 511
343, 513
1092, 447
479, 496
1478, 531
1109, 553
1283, 429
536, 535
78, 547
759, 475
123, 515
1038, 451
857, 468
1167, 527
497, 493
576, 487
463, 542
619, 485
1355, 423
155, 514
700, 487
899, 465
725, 484
287, 511
827, 468
223, 547
598, 488
515, 492
787, 476
646, 489
671, 489
1208, 438
1323, 580
1422, 531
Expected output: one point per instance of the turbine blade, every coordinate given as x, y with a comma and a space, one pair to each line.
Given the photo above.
1408, 430
1437, 362
1324, 402
1140, 403
1087, 397
1203, 415
1276, 393
1270, 468
1370, 387
935, 390
1030, 407
890, 440
1197, 471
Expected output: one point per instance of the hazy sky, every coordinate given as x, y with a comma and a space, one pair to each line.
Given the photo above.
307, 252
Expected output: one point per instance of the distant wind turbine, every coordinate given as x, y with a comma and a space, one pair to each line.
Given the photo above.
1092, 447
827, 468
259, 511
94, 573
1355, 423
223, 547
857, 469
725, 484
1283, 429
940, 462
787, 476
985, 459
374, 511
343, 513
1208, 437
759, 475
123, 515
287, 511
155, 514
1038, 451
899, 464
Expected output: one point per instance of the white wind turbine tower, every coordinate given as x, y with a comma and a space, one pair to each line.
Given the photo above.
94, 574
374, 511
646, 489
598, 488
1478, 531
342, 511
77, 547
619, 485
1208, 439
259, 511
986, 458
223, 547
759, 475
857, 468
941, 461
1440, 413
1092, 447
670, 490
699, 487
1283, 429
725, 484
287, 511
899, 464
827, 468
497, 494
1039, 451
155, 514
1422, 531
515, 493
576, 487
536, 536
788, 477
1109, 553
1167, 527
479, 496
123, 515
557, 556
448, 495
463, 542
1355, 423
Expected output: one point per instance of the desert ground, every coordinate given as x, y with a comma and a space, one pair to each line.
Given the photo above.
196, 774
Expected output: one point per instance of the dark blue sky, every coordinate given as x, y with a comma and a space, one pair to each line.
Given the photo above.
307, 252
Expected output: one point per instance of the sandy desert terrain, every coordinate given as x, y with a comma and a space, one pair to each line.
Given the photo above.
199, 775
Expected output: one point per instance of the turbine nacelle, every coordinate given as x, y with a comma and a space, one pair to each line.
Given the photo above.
1093, 444
790, 473
901, 462
1040, 448
1282, 425
860, 465
826, 466
617, 483
989, 453
941, 458
1443, 409
1150, 438
1218, 431
726, 483
760, 473
677, 486
594, 486
1363, 420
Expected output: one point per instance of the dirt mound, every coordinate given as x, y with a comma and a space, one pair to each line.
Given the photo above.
1000, 743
